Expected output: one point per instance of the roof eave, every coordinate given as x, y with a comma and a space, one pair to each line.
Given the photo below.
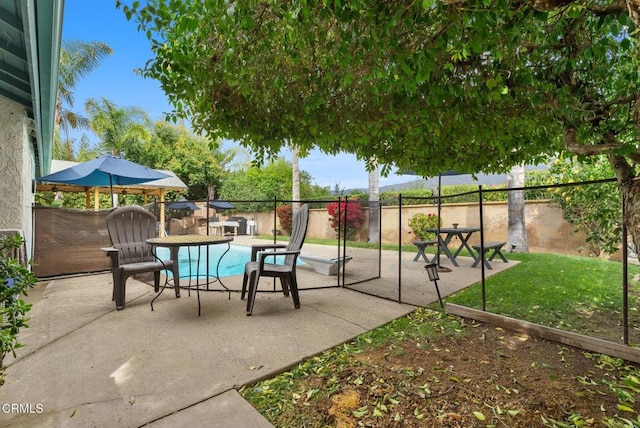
43, 36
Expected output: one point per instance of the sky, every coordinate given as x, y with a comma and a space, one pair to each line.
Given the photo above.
115, 80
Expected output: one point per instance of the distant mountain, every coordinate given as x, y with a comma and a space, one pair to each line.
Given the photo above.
451, 180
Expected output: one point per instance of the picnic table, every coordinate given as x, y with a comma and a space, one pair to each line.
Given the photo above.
446, 235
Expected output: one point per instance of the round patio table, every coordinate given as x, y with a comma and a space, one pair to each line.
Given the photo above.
174, 242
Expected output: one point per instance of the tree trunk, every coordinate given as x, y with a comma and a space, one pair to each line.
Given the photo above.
295, 191
630, 192
517, 232
629, 189
374, 202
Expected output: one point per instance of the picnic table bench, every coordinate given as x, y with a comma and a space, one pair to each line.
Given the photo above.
488, 246
421, 246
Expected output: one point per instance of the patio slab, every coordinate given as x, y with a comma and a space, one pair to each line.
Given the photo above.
86, 364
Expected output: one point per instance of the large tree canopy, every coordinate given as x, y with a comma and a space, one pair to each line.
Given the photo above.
471, 85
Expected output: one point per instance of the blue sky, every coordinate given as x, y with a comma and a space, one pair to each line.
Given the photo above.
98, 20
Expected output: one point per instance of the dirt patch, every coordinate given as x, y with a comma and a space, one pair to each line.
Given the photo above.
487, 377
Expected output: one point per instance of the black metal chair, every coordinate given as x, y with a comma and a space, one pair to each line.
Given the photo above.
129, 227
258, 267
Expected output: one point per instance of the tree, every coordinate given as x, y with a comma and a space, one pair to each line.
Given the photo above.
593, 209
77, 59
374, 204
199, 163
62, 150
295, 178
119, 128
517, 231
478, 85
273, 180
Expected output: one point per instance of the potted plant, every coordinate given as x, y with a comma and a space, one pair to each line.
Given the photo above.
15, 281
420, 223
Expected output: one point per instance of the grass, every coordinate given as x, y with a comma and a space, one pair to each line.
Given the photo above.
573, 293
351, 244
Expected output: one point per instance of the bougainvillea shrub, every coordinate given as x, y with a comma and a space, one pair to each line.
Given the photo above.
285, 215
349, 212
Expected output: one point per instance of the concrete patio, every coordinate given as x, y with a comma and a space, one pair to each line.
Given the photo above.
85, 364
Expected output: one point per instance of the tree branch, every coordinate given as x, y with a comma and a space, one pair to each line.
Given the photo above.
615, 8
570, 141
621, 168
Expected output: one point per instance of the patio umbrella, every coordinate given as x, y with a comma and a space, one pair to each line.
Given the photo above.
183, 205
104, 171
221, 205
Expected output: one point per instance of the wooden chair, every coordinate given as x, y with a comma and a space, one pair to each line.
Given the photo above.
129, 227
258, 267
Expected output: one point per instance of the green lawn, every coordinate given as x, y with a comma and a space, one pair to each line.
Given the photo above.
573, 293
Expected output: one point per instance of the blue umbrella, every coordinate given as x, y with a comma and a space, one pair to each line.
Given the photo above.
182, 204
104, 171
221, 205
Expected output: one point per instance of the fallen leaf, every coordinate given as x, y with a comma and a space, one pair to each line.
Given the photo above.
479, 415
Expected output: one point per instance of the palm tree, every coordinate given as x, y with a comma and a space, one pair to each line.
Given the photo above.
295, 193
517, 231
117, 127
374, 203
77, 60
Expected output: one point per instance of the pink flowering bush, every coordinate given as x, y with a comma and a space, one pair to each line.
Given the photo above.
285, 215
342, 212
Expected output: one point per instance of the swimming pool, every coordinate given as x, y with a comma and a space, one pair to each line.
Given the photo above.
232, 264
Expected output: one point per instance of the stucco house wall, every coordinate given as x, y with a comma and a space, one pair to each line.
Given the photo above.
18, 169
32, 38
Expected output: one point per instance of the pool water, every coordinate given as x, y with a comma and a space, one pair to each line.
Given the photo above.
232, 263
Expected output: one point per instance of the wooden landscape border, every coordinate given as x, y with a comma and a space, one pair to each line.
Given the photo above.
581, 341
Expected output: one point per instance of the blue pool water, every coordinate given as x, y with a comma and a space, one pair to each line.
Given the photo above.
232, 263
